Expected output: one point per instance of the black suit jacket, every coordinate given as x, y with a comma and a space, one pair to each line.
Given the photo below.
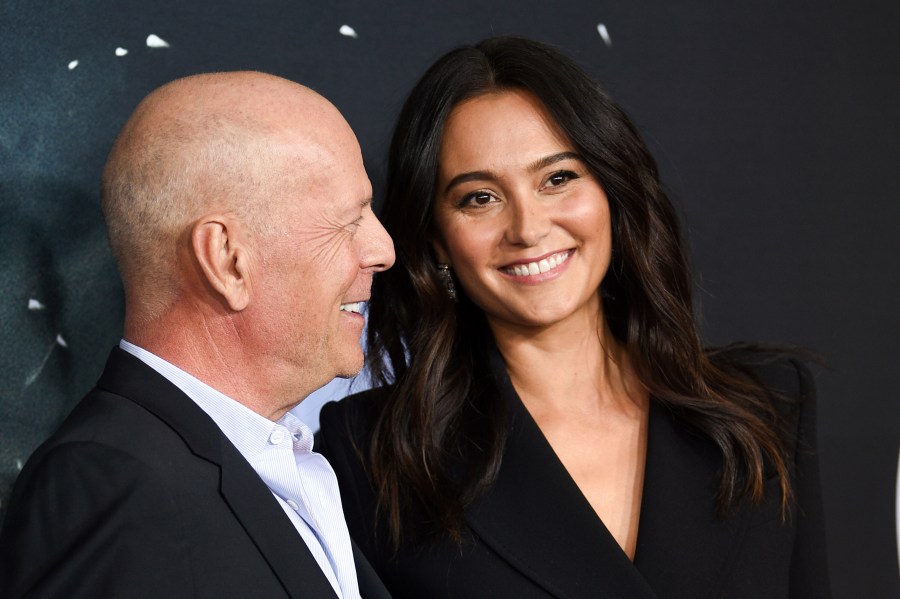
139, 494
533, 534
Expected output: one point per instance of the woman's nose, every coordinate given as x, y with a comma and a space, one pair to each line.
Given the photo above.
528, 221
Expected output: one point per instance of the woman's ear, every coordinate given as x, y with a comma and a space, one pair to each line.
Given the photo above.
223, 259
440, 250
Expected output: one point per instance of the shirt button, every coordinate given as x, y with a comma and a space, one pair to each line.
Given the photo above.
293, 504
276, 437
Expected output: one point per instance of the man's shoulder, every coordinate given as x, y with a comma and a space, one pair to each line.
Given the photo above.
104, 423
106, 409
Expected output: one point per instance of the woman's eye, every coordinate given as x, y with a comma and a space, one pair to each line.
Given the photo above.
557, 179
477, 198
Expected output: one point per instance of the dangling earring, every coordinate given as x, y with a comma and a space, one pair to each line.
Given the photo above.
447, 280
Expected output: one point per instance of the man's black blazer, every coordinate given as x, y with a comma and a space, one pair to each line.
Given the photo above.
533, 534
139, 494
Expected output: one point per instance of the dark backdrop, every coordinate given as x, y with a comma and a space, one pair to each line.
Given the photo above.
775, 124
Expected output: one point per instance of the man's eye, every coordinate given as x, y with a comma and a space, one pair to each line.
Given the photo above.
352, 227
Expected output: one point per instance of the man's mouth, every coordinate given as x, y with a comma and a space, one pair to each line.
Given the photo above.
352, 307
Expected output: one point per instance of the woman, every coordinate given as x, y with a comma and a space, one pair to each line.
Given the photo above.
546, 421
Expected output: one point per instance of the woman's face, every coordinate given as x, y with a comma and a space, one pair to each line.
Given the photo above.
518, 216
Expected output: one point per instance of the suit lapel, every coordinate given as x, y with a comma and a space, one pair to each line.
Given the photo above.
271, 530
681, 545
537, 519
245, 493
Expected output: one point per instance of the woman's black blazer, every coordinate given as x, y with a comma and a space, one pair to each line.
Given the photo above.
533, 534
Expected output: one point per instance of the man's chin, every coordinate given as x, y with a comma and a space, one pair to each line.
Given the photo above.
351, 369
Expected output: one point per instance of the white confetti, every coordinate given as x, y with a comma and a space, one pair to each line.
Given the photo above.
601, 29
348, 31
34, 374
154, 41
73, 64
19, 464
61, 341
34, 304
121, 51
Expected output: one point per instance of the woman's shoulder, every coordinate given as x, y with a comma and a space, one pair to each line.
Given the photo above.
782, 374
782, 371
345, 431
353, 415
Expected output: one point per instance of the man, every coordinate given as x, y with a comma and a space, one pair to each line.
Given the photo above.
238, 210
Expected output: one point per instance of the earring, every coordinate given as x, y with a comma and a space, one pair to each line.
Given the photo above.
447, 279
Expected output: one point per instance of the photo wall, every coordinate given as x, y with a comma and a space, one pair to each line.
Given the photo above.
775, 126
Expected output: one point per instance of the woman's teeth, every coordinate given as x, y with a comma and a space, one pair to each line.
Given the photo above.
355, 307
536, 268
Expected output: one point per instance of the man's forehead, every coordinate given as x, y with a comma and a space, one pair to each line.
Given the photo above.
339, 198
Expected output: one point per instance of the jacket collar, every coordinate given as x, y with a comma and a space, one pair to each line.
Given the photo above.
682, 546
564, 547
241, 488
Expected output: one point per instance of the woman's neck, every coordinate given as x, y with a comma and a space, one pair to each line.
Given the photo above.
572, 365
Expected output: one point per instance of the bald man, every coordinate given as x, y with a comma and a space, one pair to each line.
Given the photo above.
238, 210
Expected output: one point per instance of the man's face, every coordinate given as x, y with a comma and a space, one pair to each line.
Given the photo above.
316, 269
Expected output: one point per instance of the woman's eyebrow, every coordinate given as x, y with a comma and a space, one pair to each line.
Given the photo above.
546, 161
470, 176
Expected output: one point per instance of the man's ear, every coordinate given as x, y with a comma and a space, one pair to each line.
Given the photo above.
225, 262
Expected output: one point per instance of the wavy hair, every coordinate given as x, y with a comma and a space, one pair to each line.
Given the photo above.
439, 435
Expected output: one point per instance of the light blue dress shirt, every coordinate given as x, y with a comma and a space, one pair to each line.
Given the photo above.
281, 453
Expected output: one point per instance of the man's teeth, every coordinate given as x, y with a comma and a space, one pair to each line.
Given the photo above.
541, 266
355, 307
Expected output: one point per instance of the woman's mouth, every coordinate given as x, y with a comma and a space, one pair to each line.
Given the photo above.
541, 266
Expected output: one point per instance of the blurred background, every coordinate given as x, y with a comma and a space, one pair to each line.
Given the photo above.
776, 127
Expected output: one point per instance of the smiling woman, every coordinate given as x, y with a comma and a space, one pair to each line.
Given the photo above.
536, 204
555, 427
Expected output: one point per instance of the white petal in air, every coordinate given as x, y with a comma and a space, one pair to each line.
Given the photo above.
348, 31
154, 41
73, 64
61, 341
121, 51
34, 304
601, 29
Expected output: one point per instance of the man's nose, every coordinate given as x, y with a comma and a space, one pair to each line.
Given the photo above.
378, 253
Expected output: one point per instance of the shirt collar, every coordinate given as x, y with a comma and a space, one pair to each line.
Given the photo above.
248, 431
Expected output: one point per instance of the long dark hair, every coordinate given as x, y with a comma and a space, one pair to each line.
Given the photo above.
439, 436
